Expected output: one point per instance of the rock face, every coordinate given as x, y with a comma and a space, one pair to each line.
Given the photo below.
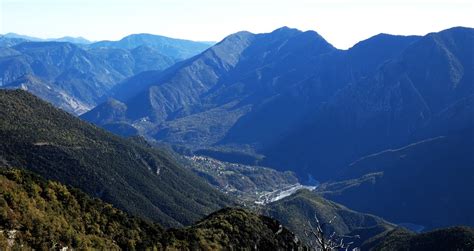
290, 100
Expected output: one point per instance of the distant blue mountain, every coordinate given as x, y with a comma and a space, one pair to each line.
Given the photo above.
8, 42
24, 37
175, 48
75, 40
71, 77
75, 74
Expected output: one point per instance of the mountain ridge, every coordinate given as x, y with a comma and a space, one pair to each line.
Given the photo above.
141, 180
173, 47
76, 40
68, 75
286, 85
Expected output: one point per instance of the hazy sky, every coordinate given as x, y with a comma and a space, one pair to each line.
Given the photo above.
341, 22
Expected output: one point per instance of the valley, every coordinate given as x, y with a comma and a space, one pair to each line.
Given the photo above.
249, 184
155, 143
272, 196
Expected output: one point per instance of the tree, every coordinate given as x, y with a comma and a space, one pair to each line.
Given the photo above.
325, 242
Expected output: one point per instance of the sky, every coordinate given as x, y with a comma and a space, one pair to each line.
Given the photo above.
341, 22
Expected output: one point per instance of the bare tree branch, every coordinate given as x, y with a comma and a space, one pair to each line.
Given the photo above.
326, 242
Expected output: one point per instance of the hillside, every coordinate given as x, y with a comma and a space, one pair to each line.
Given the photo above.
230, 229
454, 238
429, 180
40, 214
132, 176
295, 211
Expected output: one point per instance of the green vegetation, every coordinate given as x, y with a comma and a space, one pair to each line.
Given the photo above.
47, 215
43, 215
234, 229
295, 211
132, 176
453, 238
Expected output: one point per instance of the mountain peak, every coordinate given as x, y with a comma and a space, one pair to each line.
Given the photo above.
76, 40
141, 36
286, 29
384, 40
310, 36
458, 29
237, 36
15, 35
232, 45
172, 47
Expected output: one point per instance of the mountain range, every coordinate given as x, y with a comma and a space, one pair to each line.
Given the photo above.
75, 40
290, 100
146, 182
382, 135
178, 49
76, 76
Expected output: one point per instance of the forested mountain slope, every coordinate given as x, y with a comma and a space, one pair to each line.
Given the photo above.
141, 180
